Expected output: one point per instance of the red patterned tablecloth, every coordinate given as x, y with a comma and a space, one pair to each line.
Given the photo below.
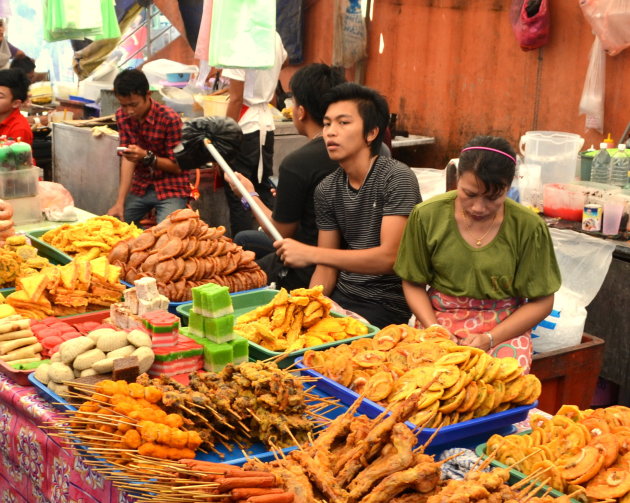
34, 467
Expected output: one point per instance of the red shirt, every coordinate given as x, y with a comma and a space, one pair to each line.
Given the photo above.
160, 132
16, 126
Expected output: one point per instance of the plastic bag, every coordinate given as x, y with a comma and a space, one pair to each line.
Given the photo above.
584, 263
592, 100
350, 39
54, 195
610, 20
224, 132
531, 22
242, 34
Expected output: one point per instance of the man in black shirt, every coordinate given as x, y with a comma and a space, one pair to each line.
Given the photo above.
300, 172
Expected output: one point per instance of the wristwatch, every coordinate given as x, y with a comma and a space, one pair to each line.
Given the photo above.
149, 159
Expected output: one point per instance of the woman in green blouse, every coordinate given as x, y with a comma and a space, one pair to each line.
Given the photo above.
487, 260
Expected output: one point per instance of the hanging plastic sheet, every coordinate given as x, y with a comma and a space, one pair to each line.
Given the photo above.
242, 34
203, 37
594, 92
110, 21
350, 38
290, 26
5, 9
77, 19
610, 20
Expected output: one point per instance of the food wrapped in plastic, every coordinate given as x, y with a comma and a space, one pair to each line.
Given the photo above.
224, 132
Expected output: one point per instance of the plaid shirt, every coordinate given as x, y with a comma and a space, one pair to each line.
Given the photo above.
160, 132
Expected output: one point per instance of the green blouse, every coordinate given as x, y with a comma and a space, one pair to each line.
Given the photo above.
518, 262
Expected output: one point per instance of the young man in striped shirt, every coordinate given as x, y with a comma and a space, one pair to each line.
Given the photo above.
361, 208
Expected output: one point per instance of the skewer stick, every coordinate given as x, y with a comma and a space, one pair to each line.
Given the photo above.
446, 460
288, 430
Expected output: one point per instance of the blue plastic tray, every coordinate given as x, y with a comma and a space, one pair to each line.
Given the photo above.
455, 435
235, 457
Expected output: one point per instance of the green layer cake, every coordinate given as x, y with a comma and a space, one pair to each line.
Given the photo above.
212, 315
217, 355
212, 300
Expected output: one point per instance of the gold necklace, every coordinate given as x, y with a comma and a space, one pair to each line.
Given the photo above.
479, 241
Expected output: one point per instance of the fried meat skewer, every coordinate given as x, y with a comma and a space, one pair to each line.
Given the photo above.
395, 457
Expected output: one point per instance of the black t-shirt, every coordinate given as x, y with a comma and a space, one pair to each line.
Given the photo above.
300, 172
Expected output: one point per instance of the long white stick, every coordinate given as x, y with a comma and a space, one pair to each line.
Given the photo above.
262, 218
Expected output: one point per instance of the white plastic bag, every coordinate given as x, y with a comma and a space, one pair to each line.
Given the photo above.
584, 263
610, 20
350, 37
592, 101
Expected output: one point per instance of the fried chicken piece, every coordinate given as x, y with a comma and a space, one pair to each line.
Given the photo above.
323, 479
396, 456
422, 477
354, 460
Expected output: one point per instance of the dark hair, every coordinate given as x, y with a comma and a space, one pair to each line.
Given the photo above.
494, 169
26, 64
17, 81
309, 84
372, 106
130, 82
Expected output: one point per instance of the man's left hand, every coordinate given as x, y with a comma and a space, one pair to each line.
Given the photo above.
293, 253
134, 153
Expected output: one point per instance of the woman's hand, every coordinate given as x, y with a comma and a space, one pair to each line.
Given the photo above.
481, 341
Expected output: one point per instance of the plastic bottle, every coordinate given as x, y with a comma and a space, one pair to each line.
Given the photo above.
619, 166
600, 171
627, 186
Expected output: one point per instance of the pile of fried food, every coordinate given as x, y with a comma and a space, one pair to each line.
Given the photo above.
296, 320
361, 460
18, 345
73, 288
182, 252
462, 382
92, 238
578, 450
18, 259
246, 403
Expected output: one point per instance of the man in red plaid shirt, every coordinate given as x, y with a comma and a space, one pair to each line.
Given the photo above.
149, 176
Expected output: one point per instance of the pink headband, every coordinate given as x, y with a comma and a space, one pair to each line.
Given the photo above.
492, 150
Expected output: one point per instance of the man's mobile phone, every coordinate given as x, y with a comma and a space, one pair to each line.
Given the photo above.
273, 180
122, 149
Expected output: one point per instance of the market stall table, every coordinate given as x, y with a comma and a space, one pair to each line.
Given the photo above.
35, 467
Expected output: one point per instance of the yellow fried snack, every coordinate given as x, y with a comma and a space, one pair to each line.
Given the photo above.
296, 320
94, 237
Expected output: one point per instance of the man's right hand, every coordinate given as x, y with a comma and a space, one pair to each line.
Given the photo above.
118, 211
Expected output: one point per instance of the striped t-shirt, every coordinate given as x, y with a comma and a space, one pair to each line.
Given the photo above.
390, 188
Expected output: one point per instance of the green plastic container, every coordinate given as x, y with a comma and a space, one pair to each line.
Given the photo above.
515, 475
53, 254
245, 302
